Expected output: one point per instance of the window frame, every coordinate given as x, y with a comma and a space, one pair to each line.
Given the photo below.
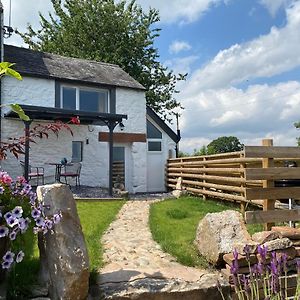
84, 88
155, 139
81, 151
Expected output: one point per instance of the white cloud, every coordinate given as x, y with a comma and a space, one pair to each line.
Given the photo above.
181, 65
274, 5
265, 56
184, 11
178, 46
261, 111
24, 12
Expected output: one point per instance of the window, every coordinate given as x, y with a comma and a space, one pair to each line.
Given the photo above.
152, 131
84, 99
154, 137
77, 151
69, 98
154, 146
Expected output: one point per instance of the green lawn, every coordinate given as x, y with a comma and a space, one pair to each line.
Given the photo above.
95, 218
173, 224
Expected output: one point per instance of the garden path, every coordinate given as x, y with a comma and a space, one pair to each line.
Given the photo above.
137, 267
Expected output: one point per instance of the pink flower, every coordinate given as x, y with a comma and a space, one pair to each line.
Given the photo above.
5, 178
21, 179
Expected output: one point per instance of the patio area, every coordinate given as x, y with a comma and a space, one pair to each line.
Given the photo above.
88, 192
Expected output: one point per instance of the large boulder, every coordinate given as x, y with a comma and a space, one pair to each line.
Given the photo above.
64, 256
218, 232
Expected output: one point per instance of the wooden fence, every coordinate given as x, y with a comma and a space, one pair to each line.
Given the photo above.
247, 176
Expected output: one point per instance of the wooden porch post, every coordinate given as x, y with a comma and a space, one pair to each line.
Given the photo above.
26, 158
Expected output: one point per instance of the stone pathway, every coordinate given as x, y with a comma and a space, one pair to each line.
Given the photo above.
137, 268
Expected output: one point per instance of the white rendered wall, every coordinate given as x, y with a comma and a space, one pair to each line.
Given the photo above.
29, 91
166, 144
94, 171
133, 104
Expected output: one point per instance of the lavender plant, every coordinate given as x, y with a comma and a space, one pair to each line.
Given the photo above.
19, 211
271, 278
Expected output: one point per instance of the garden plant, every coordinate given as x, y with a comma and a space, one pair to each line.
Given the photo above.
268, 281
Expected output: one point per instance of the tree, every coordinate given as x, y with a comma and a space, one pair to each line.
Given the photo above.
201, 151
297, 125
224, 144
113, 32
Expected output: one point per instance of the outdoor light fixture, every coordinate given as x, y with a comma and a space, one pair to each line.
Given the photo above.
121, 126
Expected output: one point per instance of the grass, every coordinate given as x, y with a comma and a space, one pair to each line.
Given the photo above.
95, 218
173, 224
24, 274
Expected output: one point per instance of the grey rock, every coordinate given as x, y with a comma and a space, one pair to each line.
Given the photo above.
278, 244
165, 289
218, 232
63, 252
240, 247
38, 291
265, 236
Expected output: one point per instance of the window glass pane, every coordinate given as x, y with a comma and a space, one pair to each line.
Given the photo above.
154, 146
69, 98
152, 131
76, 151
119, 153
93, 101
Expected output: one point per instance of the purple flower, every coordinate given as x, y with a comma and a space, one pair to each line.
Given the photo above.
22, 223
284, 262
247, 251
3, 231
26, 189
35, 213
20, 256
40, 222
9, 256
56, 218
12, 235
262, 251
8, 215
235, 254
49, 224
260, 268
1, 190
234, 268
6, 265
17, 212
32, 197
12, 221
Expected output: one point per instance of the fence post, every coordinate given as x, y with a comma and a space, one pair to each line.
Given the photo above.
243, 185
204, 181
269, 204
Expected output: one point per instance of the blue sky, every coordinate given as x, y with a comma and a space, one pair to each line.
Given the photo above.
243, 60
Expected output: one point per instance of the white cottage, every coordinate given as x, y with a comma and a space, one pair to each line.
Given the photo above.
55, 88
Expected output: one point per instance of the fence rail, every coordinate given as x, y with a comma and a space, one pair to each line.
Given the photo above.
244, 176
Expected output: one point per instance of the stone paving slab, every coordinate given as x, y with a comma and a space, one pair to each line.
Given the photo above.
137, 268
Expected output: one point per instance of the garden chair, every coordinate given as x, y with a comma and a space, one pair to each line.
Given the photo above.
72, 170
34, 172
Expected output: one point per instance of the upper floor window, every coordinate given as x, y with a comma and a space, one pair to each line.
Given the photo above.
154, 138
85, 99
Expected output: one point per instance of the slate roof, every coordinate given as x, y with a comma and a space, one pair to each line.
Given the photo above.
47, 65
